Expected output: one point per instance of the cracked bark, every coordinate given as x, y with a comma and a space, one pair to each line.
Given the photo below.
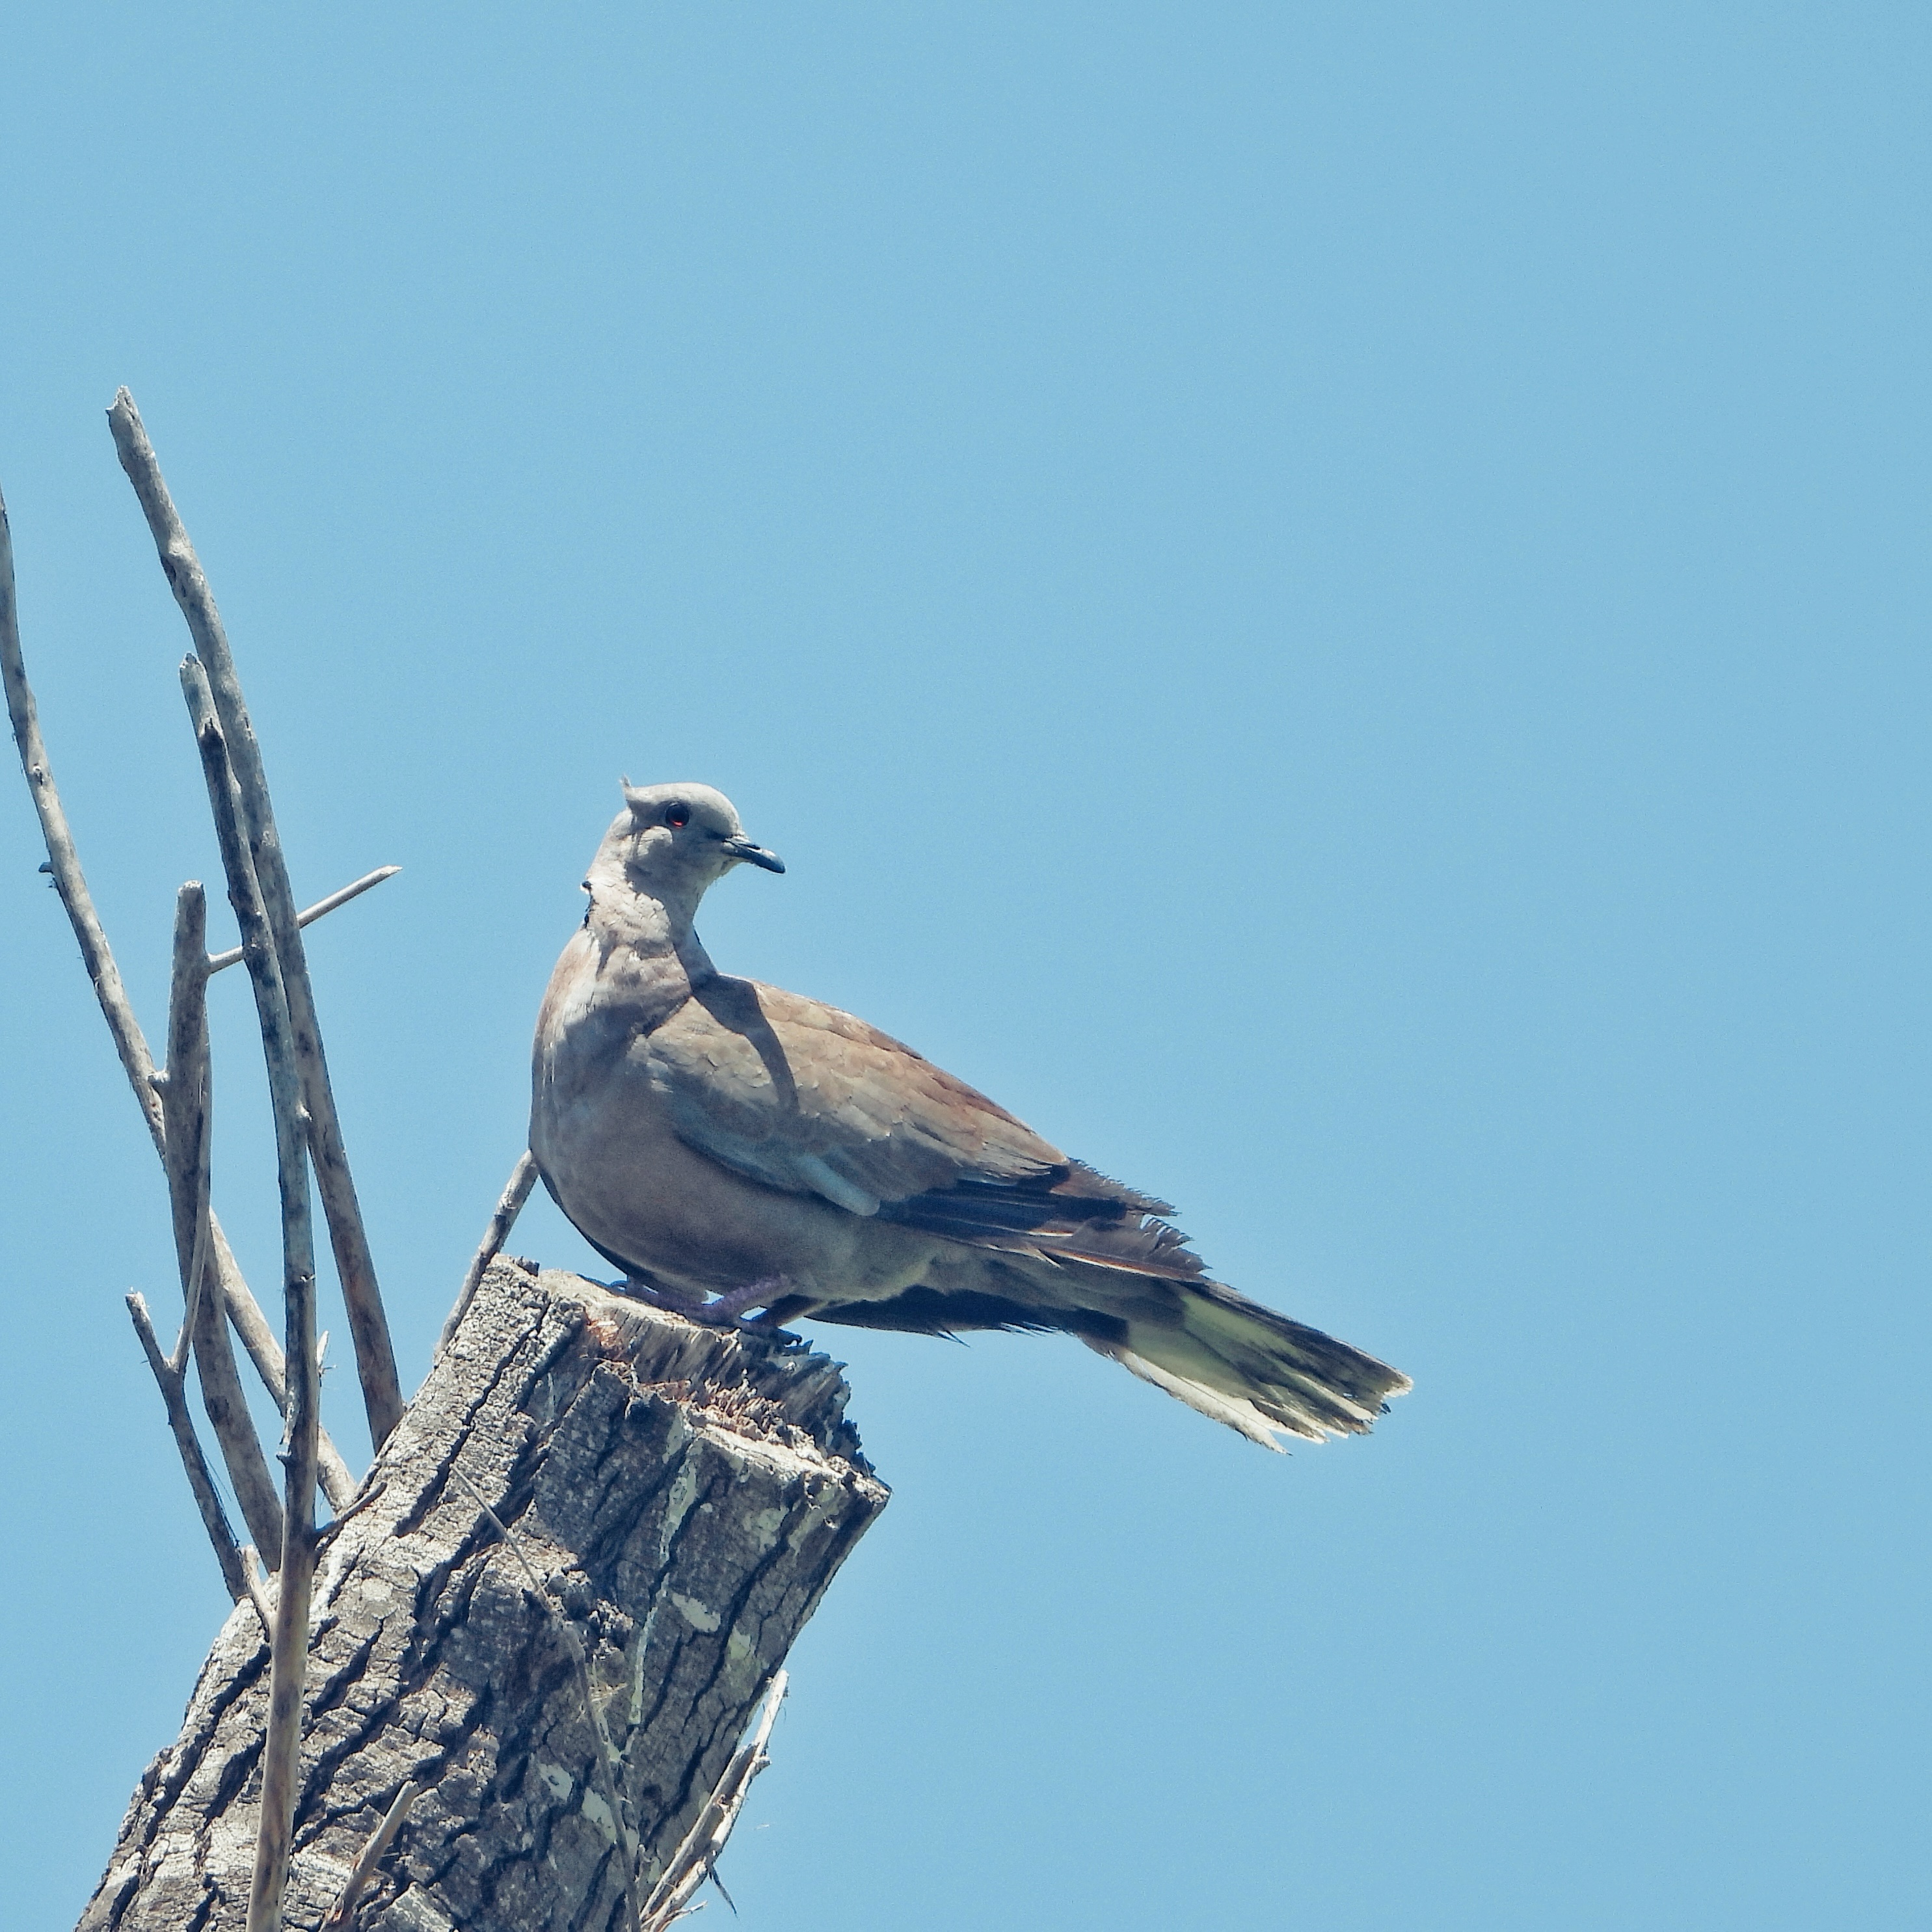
685, 1494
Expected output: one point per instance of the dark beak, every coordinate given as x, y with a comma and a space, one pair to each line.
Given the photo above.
741, 848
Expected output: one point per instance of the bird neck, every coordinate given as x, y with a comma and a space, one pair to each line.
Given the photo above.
655, 932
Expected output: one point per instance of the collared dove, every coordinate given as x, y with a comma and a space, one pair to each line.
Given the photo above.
714, 1136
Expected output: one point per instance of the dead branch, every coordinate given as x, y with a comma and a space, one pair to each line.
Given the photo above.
186, 1101
226, 1405
63, 863
375, 1355
220, 962
281, 1746
296, 1571
214, 1518
251, 1562
344, 1909
516, 1192
186, 1089
338, 1484
697, 1857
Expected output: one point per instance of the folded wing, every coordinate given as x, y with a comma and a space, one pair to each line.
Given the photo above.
805, 1098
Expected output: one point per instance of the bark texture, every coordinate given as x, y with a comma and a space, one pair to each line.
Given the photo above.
684, 1494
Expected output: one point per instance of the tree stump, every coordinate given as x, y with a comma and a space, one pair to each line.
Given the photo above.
683, 1494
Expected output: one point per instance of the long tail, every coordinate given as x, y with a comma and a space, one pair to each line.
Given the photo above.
1252, 1368
1230, 1358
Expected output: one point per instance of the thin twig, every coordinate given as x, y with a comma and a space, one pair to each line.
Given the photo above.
220, 962
693, 1861
288, 1656
197, 1276
257, 1594
187, 1095
375, 1354
222, 1397
605, 1759
186, 1102
62, 860
344, 1908
338, 1484
516, 1192
214, 1518
288, 1665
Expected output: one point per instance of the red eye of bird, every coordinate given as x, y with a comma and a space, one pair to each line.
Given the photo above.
677, 814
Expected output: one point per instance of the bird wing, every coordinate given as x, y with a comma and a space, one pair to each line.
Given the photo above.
807, 1098
798, 1095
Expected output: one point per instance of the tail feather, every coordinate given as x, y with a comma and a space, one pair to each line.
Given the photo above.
1253, 1368
1243, 1364
1237, 1412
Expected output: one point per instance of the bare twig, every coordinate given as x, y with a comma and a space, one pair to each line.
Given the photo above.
220, 962
265, 1352
288, 1656
221, 1396
338, 1484
605, 1760
288, 1667
62, 860
197, 1280
214, 1518
375, 1356
693, 1861
344, 1908
257, 1594
187, 1099
186, 1102
516, 1192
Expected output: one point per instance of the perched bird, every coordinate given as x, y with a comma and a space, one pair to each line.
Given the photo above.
716, 1137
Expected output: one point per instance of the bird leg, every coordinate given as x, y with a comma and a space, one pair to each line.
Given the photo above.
720, 1311
725, 1309
637, 1289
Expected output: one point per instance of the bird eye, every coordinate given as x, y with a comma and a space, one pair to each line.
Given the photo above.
677, 814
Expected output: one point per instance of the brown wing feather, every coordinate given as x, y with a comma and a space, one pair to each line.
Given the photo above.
804, 1097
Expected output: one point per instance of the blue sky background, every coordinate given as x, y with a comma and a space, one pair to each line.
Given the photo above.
1329, 602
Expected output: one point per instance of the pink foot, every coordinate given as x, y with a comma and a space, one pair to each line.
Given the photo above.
725, 1310
665, 1298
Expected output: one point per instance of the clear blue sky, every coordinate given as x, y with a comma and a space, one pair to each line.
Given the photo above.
1331, 602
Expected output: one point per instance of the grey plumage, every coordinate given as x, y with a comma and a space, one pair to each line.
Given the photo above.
712, 1136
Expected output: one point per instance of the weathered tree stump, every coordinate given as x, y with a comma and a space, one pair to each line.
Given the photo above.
684, 1494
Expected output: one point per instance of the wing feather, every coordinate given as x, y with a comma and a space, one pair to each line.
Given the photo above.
807, 1098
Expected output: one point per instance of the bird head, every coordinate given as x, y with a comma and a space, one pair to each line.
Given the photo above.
673, 841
